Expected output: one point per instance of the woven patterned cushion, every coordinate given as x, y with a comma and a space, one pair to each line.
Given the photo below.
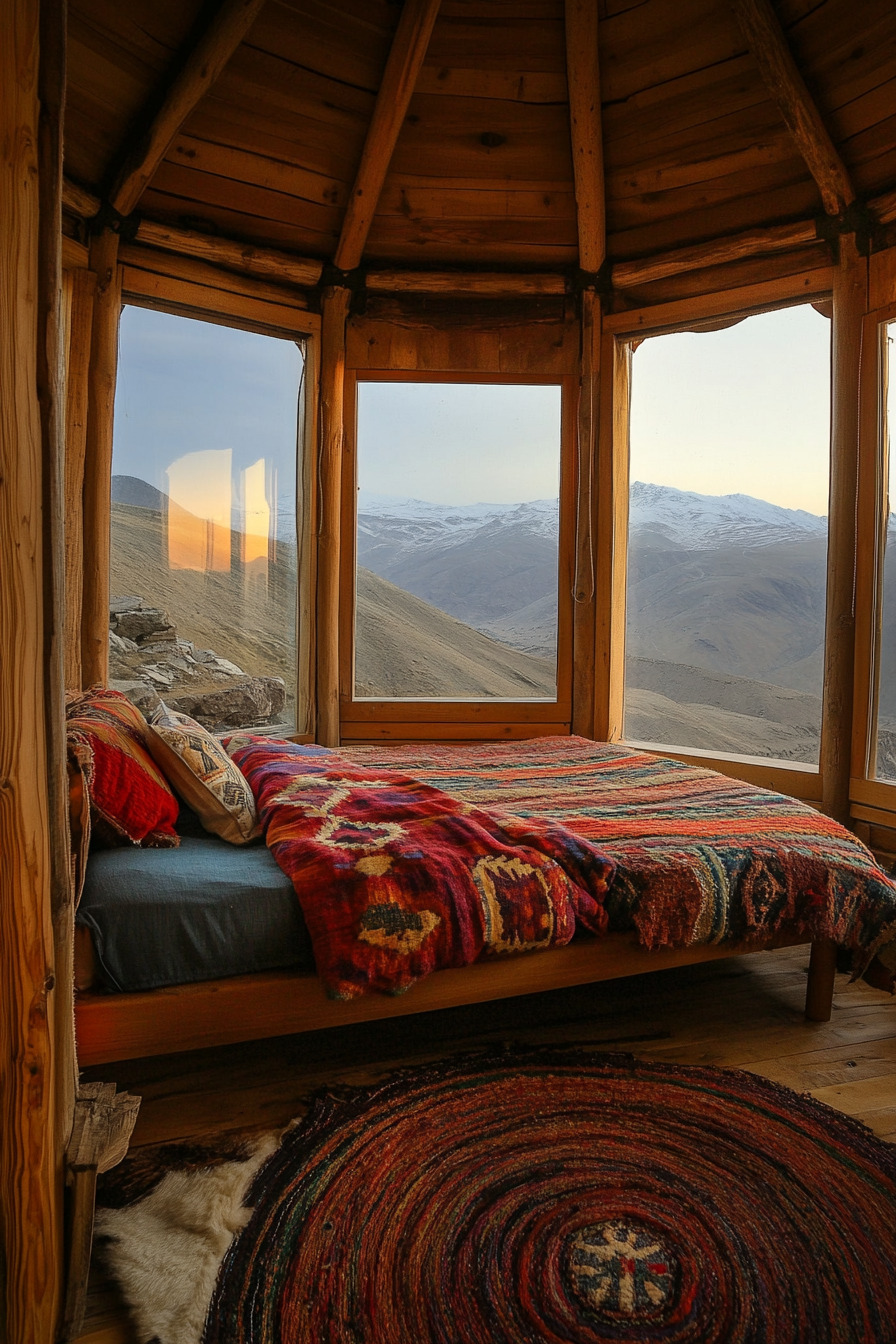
130, 800
204, 776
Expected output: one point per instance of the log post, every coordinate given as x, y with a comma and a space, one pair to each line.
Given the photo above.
584, 584
331, 434
80, 326
98, 458
850, 293
51, 395
820, 986
30, 1188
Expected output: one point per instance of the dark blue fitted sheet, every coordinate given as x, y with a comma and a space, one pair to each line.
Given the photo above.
202, 911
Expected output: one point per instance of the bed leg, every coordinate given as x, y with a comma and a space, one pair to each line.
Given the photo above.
820, 989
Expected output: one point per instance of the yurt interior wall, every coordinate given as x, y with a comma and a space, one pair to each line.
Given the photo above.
473, 193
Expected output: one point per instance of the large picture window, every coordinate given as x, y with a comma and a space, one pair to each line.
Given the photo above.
204, 509
729, 466
457, 541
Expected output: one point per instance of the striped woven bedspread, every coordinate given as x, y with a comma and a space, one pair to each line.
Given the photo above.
701, 858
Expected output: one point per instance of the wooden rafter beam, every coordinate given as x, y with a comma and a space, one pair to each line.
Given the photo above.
765, 37
402, 68
583, 80
199, 71
267, 262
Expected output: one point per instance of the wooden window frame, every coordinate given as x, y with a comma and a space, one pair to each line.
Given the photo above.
871, 800
398, 720
285, 317
620, 330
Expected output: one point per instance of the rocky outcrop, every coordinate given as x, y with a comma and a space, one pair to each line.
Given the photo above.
147, 662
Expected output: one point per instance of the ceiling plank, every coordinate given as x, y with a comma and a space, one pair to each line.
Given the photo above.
199, 71
399, 79
583, 79
765, 37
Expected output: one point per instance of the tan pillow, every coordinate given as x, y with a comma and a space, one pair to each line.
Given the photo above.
199, 769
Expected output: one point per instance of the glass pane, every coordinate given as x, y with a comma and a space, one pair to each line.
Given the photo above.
458, 517
203, 610
730, 435
886, 688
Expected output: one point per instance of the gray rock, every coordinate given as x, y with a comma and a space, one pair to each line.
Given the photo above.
276, 688
140, 693
205, 655
228, 668
119, 604
159, 676
119, 645
149, 624
254, 701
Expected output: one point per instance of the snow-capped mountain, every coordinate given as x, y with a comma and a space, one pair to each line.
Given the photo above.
661, 515
390, 528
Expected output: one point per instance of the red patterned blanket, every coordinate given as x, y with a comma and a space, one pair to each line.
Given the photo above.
397, 879
700, 858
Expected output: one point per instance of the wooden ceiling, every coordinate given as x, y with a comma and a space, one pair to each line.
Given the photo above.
694, 145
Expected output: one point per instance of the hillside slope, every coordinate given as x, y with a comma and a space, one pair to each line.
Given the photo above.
406, 647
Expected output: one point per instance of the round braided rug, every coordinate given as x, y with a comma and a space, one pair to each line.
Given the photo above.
560, 1197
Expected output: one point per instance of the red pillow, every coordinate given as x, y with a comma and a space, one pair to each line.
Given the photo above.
130, 800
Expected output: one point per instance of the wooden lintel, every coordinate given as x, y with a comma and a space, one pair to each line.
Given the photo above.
78, 200
765, 37
402, 68
465, 282
200, 70
583, 80
244, 257
753, 243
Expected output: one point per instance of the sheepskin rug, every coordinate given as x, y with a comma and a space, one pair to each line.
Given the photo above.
166, 1249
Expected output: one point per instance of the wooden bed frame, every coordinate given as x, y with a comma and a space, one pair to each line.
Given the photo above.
114, 1027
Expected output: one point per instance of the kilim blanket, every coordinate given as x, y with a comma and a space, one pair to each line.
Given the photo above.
397, 879
700, 858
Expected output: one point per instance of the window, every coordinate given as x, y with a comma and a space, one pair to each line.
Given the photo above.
456, 586
729, 463
204, 508
883, 761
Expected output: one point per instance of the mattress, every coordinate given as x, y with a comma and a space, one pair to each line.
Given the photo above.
199, 912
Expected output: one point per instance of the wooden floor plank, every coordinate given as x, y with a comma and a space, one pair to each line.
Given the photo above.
743, 1013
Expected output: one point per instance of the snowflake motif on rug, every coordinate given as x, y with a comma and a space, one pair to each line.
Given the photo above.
623, 1269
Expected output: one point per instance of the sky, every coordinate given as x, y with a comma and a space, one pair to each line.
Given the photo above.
740, 411
744, 410
459, 443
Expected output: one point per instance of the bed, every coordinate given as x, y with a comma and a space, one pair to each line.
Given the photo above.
707, 867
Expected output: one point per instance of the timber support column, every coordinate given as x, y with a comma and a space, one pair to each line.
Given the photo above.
331, 433
30, 1187
850, 302
98, 458
584, 588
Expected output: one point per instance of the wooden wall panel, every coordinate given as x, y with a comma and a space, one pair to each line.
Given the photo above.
30, 1191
